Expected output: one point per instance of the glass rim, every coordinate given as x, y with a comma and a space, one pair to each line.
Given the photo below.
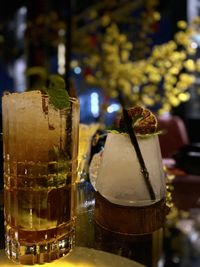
72, 100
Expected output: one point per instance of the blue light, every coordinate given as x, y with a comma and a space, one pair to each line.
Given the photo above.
113, 108
77, 70
94, 99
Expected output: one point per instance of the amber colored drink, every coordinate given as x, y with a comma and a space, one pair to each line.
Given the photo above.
40, 170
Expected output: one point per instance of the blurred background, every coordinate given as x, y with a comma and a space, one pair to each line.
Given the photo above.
148, 50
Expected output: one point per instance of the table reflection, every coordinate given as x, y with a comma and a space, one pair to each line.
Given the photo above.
81, 257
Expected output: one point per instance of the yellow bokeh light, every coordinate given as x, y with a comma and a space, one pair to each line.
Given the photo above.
190, 65
161, 78
183, 97
105, 20
174, 101
182, 24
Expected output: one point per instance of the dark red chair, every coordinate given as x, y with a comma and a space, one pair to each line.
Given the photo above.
174, 135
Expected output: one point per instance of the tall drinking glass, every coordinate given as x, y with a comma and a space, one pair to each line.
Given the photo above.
40, 169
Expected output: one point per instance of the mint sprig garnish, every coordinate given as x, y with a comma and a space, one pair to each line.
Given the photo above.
58, 95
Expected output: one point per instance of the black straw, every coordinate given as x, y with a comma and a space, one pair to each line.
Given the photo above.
134, 142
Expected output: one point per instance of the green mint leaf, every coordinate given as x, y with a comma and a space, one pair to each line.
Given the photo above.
58, 95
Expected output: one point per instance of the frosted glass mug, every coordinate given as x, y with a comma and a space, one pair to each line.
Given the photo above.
129, 221
40, 171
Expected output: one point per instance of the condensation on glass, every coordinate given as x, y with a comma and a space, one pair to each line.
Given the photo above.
40, 171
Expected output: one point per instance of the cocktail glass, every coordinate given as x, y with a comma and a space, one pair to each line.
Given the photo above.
124, 208
40, 170
85, 192
86, 133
